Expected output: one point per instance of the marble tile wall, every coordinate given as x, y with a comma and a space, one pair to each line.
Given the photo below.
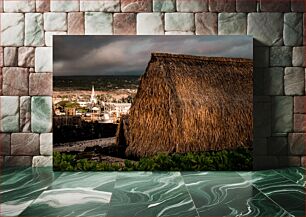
27, 28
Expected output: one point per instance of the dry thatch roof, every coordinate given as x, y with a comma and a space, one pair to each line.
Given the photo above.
190, 103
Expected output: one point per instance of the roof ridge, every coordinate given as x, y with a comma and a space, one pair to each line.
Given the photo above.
202, 58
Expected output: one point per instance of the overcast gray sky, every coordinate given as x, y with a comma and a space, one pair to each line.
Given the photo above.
129, 55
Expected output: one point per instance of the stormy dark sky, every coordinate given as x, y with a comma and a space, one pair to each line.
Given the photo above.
129, 55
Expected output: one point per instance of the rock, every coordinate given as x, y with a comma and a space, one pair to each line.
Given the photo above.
271, 6
299, 124
136, 5
40, 84
260, 147
97, 23
299, 104
246, 6
102, 5
289, 161
191, 5
266, 28
280, 56
232, 24
297, 6
5, 144
19, 6
9, 114
55, 21
282, 114
34, 30
294, 81
274, 81
25, 114
10, 56
76, 23
261, 57
293, 29
179, 22
18, 161
64, 6
25, 144
1, 56
296, 143
26, 56
150, 24
15, 81
206, 23
42, 161
42, 5
277, 146
43, 59
265, 162
222, 6
12, 29
41, 114
46, 144
163, 5
298, 56
262, 119
49, 37
179, 33
124, 24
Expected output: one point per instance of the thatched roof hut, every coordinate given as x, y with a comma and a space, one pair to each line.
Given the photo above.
190, 103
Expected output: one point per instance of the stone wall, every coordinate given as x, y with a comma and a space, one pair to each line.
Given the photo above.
27, 27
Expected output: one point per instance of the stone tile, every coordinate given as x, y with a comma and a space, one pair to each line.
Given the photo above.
271, 6
1, 56
101, 5
246, 5
163, 5
10, 55
262, 120
265, 162
25, 144
282, 117
19, 6
206, 23
298, 56
280, 56
18, 161
261, 23
40, 84
1, 81
260, 147
34, 29
25, 114
294, 81
277, 146
12, 29
46, 144
15, 81
64, 6
261, 57
49, 37
258, 81
43, 59
222, 6
9, 114
1, 10
136, 5
5, 144
296, 143
297, 5
42, 5
274, 81
55, 21
232, 24
42, 161
293, 29
124, 24
179, 33
76, 23
179, 22
26, 56
299, 124
150, 24
97, 23
41, 114
303, 161
289, 161
192, 5
299, 104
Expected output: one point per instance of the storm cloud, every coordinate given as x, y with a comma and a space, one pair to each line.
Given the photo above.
129, 55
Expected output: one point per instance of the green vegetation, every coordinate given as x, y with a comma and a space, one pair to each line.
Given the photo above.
239, 159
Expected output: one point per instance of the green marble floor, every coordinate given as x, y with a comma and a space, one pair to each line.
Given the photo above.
43, 192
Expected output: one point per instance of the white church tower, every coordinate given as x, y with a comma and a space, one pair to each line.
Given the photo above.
93, 98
